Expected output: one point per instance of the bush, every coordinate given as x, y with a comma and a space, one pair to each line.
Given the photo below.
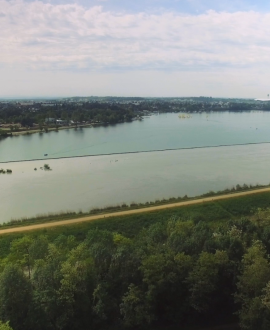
47, 167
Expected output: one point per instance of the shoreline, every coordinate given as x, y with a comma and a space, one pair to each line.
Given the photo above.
54, 129
179, 111
86, 218
50, 129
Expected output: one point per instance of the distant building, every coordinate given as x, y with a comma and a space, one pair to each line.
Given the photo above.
47, 104
50, 120
62, 122
26, 104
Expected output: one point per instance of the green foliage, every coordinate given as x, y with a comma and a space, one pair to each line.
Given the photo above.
47, 167
133, 308
253, 279
15, 297
90, 111
8, 171
161, 269
203, 279
5, 326
20, 253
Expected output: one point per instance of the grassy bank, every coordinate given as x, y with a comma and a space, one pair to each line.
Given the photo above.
186, 266
216, 213
52, 217
160, 261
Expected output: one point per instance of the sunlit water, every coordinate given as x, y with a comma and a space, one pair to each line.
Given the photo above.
164, 131
85, 183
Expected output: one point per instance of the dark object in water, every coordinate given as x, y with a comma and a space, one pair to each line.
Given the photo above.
45, 154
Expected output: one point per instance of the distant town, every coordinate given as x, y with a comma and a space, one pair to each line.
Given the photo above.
41, 115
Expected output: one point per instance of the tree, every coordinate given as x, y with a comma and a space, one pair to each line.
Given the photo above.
20, 253
166, 293
101, 247
46, 281
123, 266
255, 275
5, 326
134, 309
39, 248
255, 272
64, 283
41, 125
15, 297
204, 278
27, 121
77, 285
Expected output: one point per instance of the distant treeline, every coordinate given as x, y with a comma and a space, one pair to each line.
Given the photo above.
96, 112
189, 269
115, 110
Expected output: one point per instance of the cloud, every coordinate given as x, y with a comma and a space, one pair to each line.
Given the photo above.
43, 36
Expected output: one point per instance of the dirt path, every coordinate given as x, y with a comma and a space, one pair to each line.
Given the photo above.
129, 212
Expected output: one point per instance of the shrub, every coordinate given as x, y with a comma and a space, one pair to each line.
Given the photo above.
47, 167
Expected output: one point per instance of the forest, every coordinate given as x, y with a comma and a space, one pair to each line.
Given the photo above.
110, 111
203, 266
27, 116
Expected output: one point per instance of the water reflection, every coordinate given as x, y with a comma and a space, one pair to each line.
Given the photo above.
165, 131
89, 182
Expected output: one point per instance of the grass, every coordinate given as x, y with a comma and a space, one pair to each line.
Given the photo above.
51, 217
215, 214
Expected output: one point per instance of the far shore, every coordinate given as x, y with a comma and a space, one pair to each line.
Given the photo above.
50, 129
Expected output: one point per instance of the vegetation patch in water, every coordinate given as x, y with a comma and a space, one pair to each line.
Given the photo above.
47, 167
8, 171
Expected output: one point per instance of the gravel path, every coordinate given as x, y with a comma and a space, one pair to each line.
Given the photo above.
129, 212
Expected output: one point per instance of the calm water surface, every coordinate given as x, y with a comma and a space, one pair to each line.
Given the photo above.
84, 183
164, 131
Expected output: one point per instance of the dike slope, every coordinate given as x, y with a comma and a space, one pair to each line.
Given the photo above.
128, 212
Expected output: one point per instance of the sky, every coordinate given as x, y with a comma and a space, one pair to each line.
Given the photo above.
60, 48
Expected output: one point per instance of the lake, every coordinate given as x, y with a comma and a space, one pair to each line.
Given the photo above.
84, 183
163, 131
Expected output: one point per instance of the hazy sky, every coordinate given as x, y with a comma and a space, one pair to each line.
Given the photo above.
135, 48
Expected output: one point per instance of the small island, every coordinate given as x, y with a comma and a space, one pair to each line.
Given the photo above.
8, 171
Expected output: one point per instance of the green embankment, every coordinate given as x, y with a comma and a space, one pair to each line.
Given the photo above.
191, 267
213, 213
133, 206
